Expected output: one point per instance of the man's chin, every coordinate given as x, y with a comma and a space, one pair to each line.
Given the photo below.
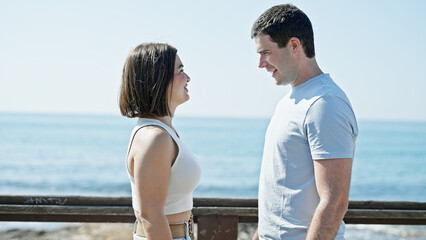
280, 82
283, 82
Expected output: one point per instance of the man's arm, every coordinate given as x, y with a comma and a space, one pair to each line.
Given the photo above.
256, 235
332, 178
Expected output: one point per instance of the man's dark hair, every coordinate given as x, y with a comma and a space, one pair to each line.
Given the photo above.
147, 75
283, 22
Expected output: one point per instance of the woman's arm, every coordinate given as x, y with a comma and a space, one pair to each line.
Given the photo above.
153, 151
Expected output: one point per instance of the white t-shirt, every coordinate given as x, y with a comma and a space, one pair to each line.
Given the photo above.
314, 120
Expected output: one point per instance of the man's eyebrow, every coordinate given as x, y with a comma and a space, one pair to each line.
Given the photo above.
262, 51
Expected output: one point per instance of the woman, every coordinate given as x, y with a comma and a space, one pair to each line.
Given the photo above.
163, 172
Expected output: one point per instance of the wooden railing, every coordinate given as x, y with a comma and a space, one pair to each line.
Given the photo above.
216, 218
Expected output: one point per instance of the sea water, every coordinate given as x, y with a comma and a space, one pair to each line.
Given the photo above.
50, 154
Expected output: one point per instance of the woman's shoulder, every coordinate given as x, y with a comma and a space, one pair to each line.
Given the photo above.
153, 135
153, 139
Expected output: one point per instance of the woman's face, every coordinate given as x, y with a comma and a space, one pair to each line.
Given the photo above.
179, 90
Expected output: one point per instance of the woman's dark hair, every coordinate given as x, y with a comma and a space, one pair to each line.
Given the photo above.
283, 22
147, 75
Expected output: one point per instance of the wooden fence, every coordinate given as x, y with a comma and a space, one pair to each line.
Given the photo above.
216, 218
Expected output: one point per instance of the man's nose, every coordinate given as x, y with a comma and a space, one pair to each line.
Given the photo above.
262, 62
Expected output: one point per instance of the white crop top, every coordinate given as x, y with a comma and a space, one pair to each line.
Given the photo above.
185, 173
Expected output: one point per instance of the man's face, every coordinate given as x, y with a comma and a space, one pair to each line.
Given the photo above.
278, 61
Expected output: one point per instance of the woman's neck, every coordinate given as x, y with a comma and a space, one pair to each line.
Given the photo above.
164, 119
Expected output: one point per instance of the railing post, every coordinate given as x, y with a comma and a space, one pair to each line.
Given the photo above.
217, 227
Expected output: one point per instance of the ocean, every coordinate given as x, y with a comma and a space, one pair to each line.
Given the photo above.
58, 154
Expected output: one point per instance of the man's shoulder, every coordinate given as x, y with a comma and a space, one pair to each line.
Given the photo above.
314, 89
326, 87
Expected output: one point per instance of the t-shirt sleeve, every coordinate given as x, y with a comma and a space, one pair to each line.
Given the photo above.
331, 128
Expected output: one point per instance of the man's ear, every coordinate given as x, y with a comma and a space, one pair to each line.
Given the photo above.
294, 45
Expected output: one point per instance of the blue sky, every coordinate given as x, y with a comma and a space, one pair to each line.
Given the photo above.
67, 56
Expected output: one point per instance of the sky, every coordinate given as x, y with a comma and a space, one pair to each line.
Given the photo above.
67, 56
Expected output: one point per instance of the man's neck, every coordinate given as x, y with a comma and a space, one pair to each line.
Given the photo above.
308, 70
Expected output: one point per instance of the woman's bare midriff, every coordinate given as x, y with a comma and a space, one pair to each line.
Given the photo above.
177, 217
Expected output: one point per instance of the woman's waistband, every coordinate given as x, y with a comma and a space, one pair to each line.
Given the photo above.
178, 230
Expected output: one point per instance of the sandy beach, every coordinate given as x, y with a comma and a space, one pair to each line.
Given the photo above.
82, 231
123, 231
95, 231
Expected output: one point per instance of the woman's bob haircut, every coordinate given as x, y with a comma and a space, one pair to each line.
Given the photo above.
147, 74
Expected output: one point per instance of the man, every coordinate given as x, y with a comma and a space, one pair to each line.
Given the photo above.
310, 141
